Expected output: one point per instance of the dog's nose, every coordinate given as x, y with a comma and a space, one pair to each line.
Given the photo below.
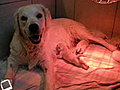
33, 28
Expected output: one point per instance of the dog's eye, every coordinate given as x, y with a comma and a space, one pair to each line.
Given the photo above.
39, 15
24, 18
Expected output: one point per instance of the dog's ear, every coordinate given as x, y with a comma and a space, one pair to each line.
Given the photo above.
46, 13
16, 22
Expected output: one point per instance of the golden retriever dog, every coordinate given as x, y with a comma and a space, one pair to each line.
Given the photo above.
40, 40
29, 23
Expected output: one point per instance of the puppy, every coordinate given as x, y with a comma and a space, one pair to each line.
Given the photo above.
39, 40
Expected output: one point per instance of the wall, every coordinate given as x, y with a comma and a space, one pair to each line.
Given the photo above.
105, 18
7, 8
99, 17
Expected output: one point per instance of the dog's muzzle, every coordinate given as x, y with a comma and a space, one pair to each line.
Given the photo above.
35, 36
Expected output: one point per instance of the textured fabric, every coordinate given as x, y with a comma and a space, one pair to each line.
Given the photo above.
104, 72
24, 79
3, 66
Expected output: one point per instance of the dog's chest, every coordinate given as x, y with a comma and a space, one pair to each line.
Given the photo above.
20, 56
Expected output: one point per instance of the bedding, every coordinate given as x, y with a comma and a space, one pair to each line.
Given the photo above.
104, 73
24, 79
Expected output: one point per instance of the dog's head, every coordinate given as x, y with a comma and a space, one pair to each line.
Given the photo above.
30, 22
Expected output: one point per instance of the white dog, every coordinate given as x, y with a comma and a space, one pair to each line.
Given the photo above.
39, 40
29, 23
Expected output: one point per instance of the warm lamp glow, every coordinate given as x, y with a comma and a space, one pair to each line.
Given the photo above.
105, 1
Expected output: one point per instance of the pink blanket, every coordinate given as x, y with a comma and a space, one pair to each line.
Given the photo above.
104, 72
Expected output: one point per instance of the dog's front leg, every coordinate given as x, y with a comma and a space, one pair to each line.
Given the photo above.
49, 74
12, 69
